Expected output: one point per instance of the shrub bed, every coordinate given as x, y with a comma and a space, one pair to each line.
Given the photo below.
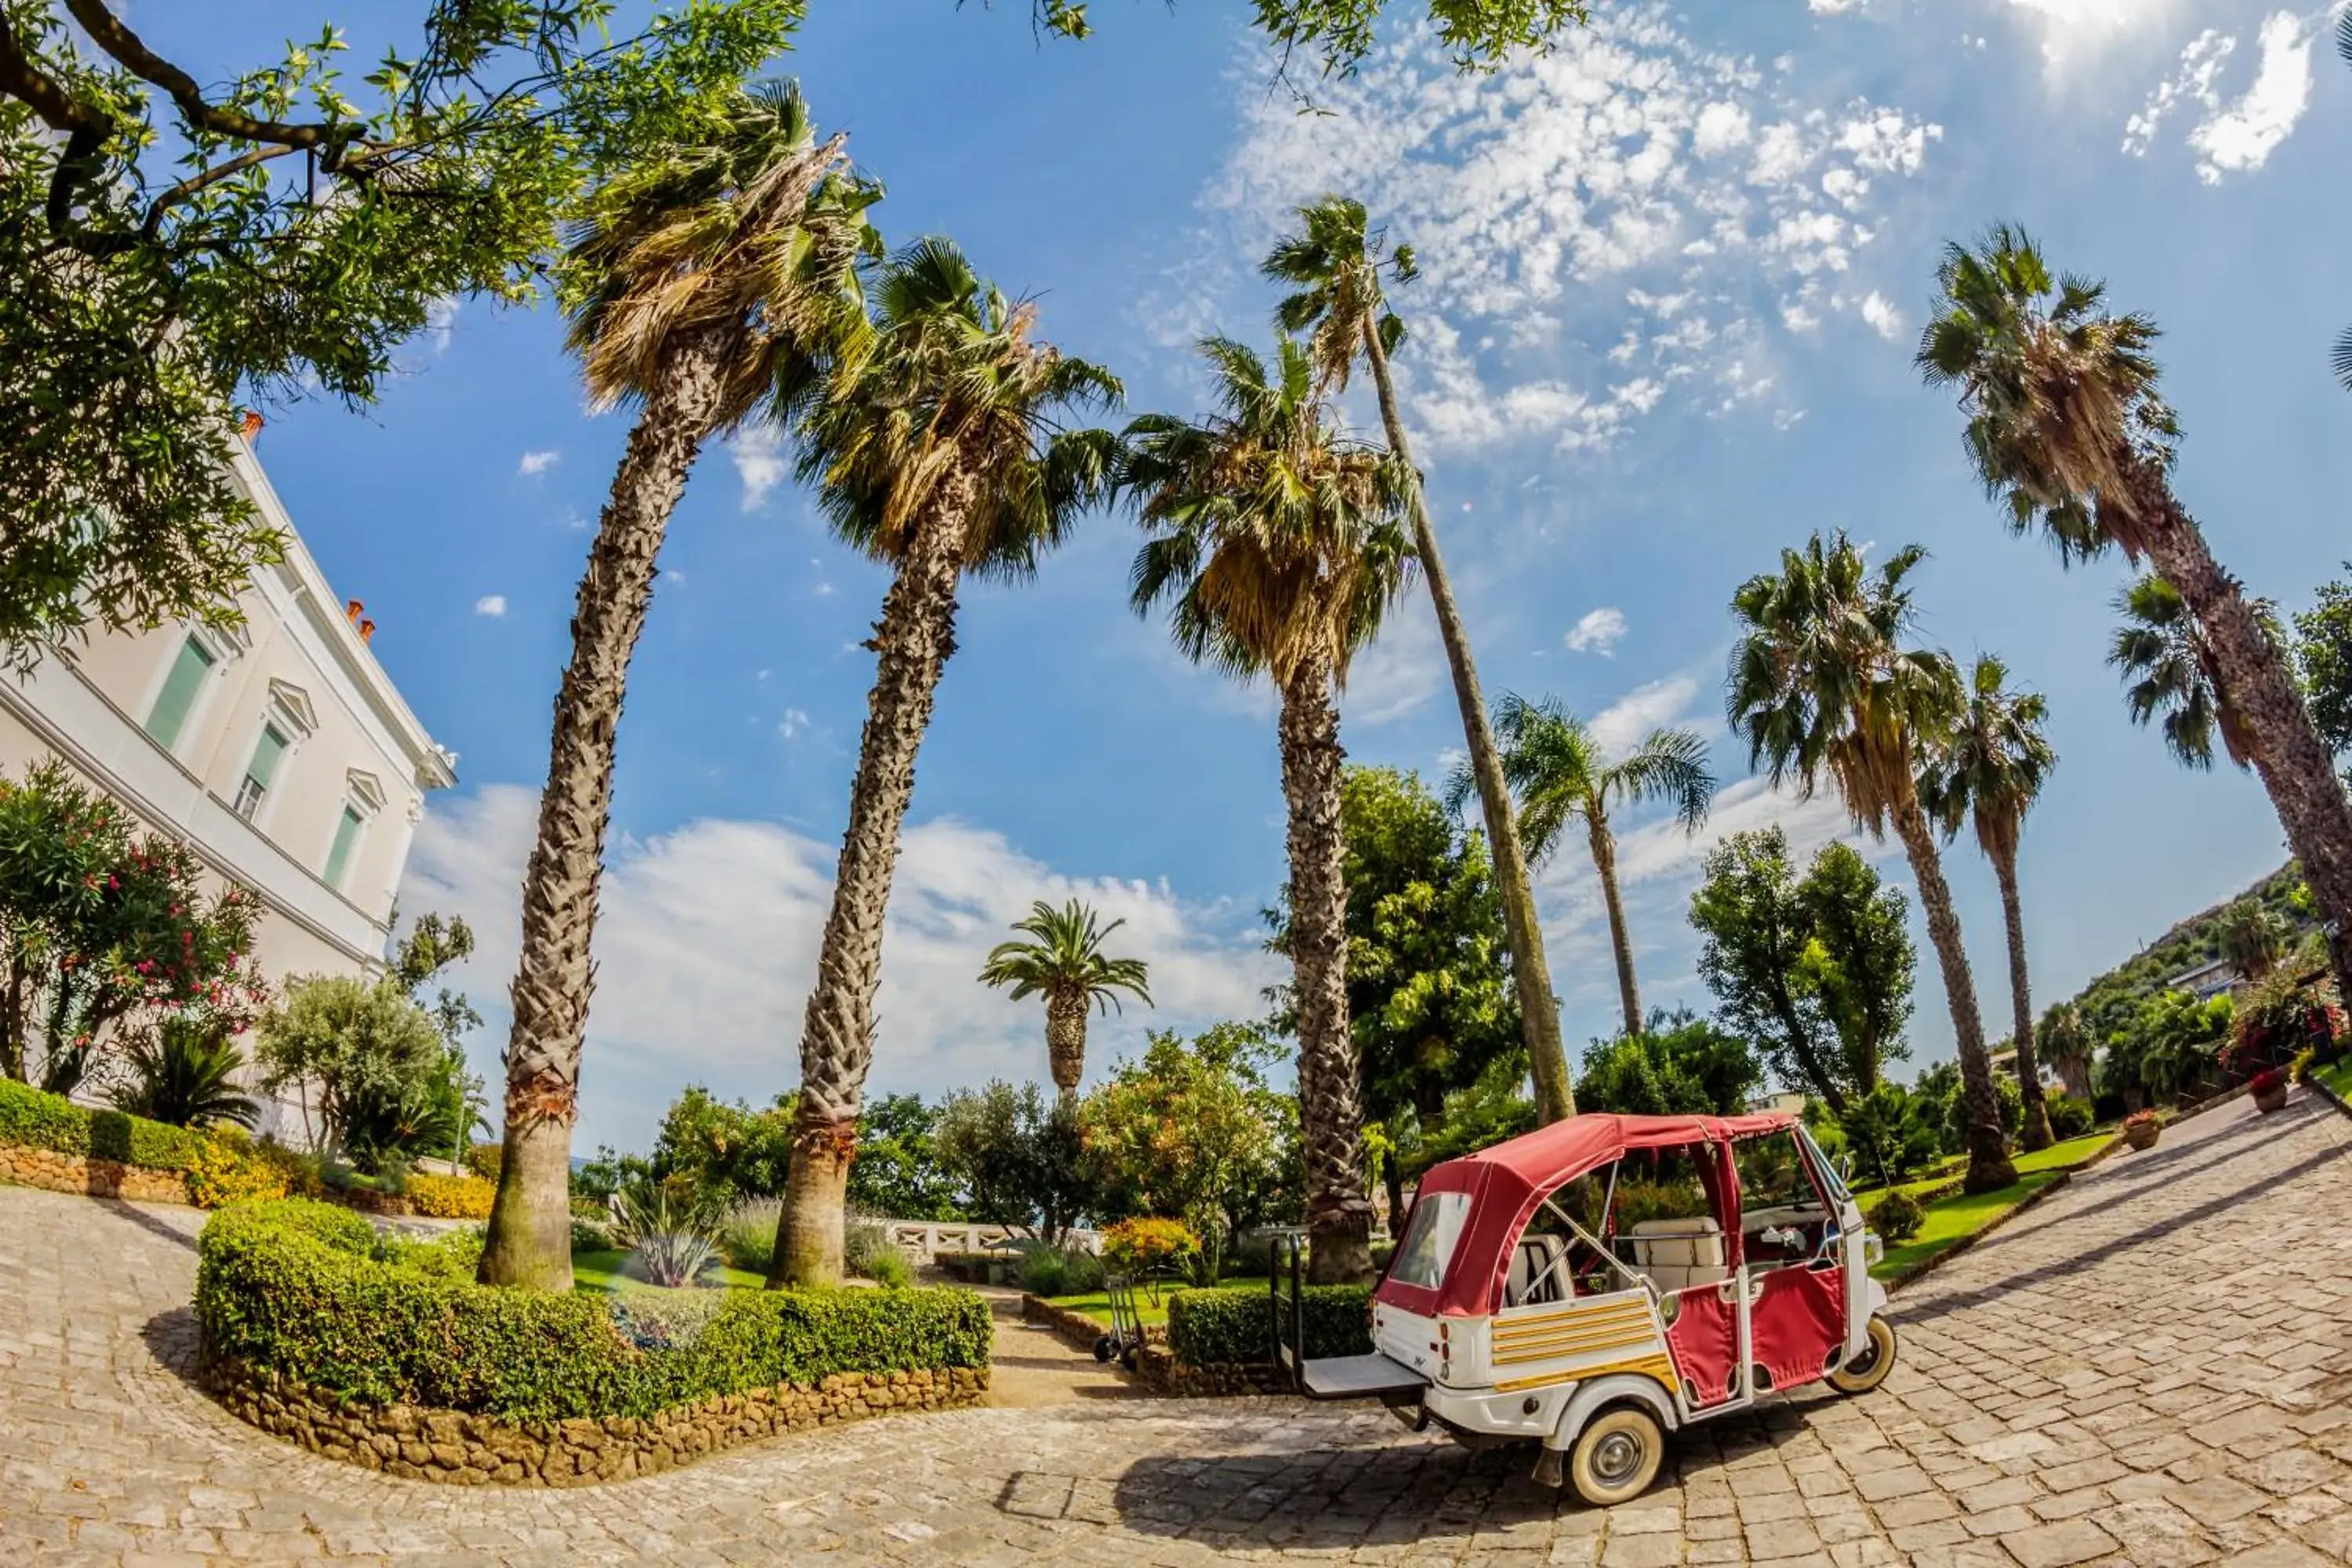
451, 1197
386, 1353
1230, 1328
46, 1141
31, 1119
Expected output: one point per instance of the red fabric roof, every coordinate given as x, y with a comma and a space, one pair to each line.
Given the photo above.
1506, 1181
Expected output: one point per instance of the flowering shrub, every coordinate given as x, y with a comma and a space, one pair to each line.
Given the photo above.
227, 1167
2142, 1119
450, 1197
2270, 1081
1150, 1245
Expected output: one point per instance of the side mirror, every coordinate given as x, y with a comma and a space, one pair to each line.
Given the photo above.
1843, 1165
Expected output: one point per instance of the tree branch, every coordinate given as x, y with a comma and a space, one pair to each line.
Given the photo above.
108, 32
197, 182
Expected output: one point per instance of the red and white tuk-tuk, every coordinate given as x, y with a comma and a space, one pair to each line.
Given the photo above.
1550, 1288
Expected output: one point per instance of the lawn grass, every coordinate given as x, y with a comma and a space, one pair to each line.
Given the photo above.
1095, 1304
2063, 1156
2337, 1076
1955, 1219
602, 1270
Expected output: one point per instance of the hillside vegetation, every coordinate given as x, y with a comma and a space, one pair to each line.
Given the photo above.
2108, 1002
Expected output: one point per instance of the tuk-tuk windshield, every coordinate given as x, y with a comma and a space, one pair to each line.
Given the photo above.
1429, 1237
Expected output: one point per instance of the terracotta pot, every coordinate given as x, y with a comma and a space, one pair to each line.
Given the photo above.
2143, 1136
2271, 1099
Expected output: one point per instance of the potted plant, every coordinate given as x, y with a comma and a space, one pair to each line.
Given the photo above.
2269, 1088
2141, 1127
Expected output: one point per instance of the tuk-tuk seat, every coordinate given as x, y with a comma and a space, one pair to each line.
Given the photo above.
1677, 1254
1533, 1278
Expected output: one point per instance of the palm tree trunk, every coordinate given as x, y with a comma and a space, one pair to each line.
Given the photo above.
1065, 1039
1605, 861
1331, 1120
913, 642
529, 1240
1989, 1166
2296, 764
2035, 1132
1523, 931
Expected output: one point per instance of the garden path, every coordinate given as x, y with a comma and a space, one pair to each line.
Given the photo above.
1032, 1366
2153, 1367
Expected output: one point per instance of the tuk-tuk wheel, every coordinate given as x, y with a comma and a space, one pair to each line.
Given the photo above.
1106, 1347
1869, 1369
1616, 1456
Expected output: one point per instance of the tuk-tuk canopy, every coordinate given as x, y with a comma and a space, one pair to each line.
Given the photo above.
1506, 1181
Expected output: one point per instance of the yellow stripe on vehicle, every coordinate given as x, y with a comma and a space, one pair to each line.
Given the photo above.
1657, 1367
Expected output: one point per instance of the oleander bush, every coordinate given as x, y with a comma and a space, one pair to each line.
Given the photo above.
451, 1197
1224, 1328
305, 1289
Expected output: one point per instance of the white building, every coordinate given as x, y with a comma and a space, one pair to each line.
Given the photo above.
278, 751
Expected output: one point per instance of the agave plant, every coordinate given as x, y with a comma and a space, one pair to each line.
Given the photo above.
672, 1236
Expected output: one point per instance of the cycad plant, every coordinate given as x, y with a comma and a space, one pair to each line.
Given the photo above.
941, 455
2067, 428
1337, 265
1063, 962
1558, 771
183, 1071
694, 284
1822, 686
1990, 772
1278, 542
2171, 677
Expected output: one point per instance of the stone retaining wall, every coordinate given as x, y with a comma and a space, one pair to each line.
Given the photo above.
57, 1173
446, 1445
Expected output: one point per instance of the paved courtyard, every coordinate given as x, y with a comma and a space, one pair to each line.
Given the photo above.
2151, 1368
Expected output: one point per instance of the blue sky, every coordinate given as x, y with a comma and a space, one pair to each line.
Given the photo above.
1675, 274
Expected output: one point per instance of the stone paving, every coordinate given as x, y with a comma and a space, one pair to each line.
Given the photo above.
2151, 1368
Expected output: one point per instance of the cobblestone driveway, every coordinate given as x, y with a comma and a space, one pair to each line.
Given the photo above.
2151, 1368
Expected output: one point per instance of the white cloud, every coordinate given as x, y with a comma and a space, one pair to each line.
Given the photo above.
1631, 163
441, 323
1402, 670
1626, 722
492, 605
538, 463
2232, 136
1599, 631
1884, 318
2074, 31
761, 462
795, 721
706, 946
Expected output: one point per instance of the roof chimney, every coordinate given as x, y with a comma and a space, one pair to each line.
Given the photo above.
367, 631
352, 608
251, 424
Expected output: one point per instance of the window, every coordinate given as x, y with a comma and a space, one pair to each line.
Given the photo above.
347, 837
180, 688
1429, 1238
267, 754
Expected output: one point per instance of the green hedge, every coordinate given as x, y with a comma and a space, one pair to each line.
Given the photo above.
32, 1119
305, 1289
1221, 1327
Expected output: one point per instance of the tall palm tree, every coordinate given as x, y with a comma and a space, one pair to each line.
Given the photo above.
941, 455
1279, 543
1065, 962
1559, 774
2169, 672
1337, 265
2254, 938
1990, 772
1821, 684
2066, 425
694, 285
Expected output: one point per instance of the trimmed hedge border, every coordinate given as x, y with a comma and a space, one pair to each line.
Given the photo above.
386, 1354
46, 1141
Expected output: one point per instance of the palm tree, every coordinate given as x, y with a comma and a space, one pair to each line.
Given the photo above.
1066, 965
2066, 425
694, 285
1338, 265
1556, 771
1990, 772
2171, 673
185, 1073
2254, 938
2065, 1045
1279, 543
1820, 683
940, 456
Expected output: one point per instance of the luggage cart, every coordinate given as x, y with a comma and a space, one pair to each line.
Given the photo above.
1125, 1336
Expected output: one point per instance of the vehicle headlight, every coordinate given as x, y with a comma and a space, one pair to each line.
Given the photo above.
1874, 1246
